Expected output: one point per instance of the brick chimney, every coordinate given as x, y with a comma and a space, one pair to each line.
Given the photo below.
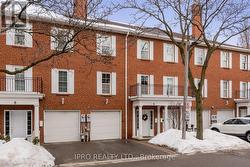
197, 19
80, 9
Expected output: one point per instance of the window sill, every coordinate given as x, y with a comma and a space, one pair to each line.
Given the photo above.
106, 95
145, 59
19, 46
62, 94
225, 68
170, 62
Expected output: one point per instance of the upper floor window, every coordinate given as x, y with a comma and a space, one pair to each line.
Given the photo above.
145, 49
170, 53
106, 83
243, 89
106, 45
61, 39
19, 35
204, 87
225, 59
19, 81
62, 81
225, 89
170, 86
200, 56
244, 59
145, 84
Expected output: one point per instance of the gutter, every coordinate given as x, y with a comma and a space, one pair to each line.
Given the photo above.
126, 85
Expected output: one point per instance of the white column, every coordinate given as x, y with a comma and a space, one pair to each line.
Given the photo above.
237, 111
134, 130
248, 110
166, 119
158, 120
140, 122
36, 121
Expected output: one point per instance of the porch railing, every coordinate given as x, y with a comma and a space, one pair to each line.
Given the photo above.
157, 89
242, 94
19, 84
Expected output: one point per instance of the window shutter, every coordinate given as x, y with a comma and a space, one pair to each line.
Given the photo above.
205, 88
28, 36
230, 60
10, 78
29, 80
151, 50
248, 62
230, 89
71, 44
71, 82
176, 49
10, 34
98, 43
248, 89
99, 82
164, 85
53, 42
138, 84
221, 89
196, 81
176, 86
196, 56
221, 59
241, 62
138, 49
54, 80
113, 86
241, 89
113, 39
164, 52
151, 84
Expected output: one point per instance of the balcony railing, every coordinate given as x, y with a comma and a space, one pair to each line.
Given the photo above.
22, 85
242, 94
158, 90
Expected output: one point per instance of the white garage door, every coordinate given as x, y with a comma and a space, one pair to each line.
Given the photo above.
224, 115
61, 126
105, 125
206, 119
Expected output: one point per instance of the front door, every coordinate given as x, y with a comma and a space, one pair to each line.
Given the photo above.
18, 124
147, 123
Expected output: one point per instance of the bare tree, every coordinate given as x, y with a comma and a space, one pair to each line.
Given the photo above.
245, 36
212, 23
77, 20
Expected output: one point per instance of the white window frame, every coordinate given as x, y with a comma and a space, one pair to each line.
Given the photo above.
174, 86
55, 81
101, 42
54, 43
244, 93
228, 89
150, 50
99, 83
225, 59
110, 83
200, 56
171, 57
244, 65
204, 87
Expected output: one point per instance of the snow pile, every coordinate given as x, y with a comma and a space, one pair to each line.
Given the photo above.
213, 141
21, 153
2, 142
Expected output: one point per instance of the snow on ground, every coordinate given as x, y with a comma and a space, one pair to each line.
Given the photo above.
213, 141
2, 142
21, 153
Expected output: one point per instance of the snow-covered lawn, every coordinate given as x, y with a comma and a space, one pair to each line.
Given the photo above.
213, 141
21, 153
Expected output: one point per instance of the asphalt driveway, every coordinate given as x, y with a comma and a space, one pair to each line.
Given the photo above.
76, 152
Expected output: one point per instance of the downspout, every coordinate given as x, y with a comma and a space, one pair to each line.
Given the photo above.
126, 86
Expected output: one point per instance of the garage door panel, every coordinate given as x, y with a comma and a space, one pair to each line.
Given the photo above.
62, 126
224, 115
206, 119
105, 125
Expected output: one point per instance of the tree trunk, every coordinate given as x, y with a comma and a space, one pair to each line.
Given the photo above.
199, 109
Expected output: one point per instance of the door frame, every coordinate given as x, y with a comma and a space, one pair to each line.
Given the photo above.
62, 111
113, 110
26, 121
153, 117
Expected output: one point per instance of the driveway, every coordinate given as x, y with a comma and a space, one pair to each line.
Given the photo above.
76, 152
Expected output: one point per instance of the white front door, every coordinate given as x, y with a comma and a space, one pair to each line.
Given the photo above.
147, 123
18, 124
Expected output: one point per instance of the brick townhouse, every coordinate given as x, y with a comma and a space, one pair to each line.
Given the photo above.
138, 95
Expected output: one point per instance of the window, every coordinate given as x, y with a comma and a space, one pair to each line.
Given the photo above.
19, 34
243, 89
244, 62
106, 83
61, 39
19, 81
63, 81
204, 87
145, 49
230, 121
170, 86
226, 89
7, 123
106, 45
200, 56
226, 59
29, 123
144, 84
170, 52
